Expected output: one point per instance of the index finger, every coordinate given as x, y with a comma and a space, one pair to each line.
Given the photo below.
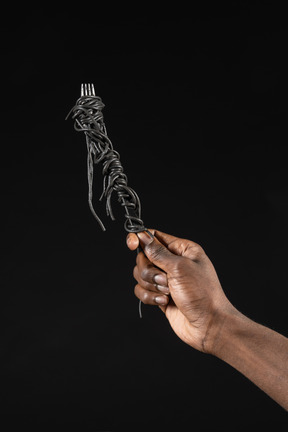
132, 239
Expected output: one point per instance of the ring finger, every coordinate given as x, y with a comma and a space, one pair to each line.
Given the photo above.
153, 287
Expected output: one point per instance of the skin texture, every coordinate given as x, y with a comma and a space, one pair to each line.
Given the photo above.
176, 275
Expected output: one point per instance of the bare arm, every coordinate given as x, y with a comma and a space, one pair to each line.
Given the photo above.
256, 351
177, 275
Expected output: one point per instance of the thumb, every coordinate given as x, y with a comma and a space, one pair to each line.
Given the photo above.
156, 252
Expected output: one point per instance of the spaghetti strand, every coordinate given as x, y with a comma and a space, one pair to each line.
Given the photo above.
88, 118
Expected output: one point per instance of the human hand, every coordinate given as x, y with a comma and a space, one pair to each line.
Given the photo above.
177, 275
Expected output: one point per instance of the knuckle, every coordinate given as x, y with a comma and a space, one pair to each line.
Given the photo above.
155, 251
145, 272
145, 297
137, 291
135, 272
142, 294
194, 251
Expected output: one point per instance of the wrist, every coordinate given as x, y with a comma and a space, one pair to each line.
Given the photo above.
220, 330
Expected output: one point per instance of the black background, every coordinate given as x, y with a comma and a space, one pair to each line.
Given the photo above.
196, 105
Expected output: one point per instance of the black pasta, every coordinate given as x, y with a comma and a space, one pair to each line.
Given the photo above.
88, 118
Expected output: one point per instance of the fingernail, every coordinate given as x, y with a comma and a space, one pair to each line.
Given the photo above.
163, 289
160, 279
161, 300
145, 238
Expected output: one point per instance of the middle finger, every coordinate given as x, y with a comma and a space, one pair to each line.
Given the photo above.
149, 273
147, 285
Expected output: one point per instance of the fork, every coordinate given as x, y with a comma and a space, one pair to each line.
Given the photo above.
87, 90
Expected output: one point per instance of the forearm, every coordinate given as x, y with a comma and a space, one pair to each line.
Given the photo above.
256, 351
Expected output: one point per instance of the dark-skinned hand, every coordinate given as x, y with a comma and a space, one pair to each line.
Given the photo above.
177, 275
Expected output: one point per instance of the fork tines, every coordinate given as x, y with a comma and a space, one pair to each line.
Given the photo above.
87, 90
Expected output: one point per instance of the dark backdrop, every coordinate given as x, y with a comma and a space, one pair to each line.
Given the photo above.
196, 105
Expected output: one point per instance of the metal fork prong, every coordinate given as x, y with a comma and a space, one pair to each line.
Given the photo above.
87, 90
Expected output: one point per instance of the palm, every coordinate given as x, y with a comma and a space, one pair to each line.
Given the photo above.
182, 327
